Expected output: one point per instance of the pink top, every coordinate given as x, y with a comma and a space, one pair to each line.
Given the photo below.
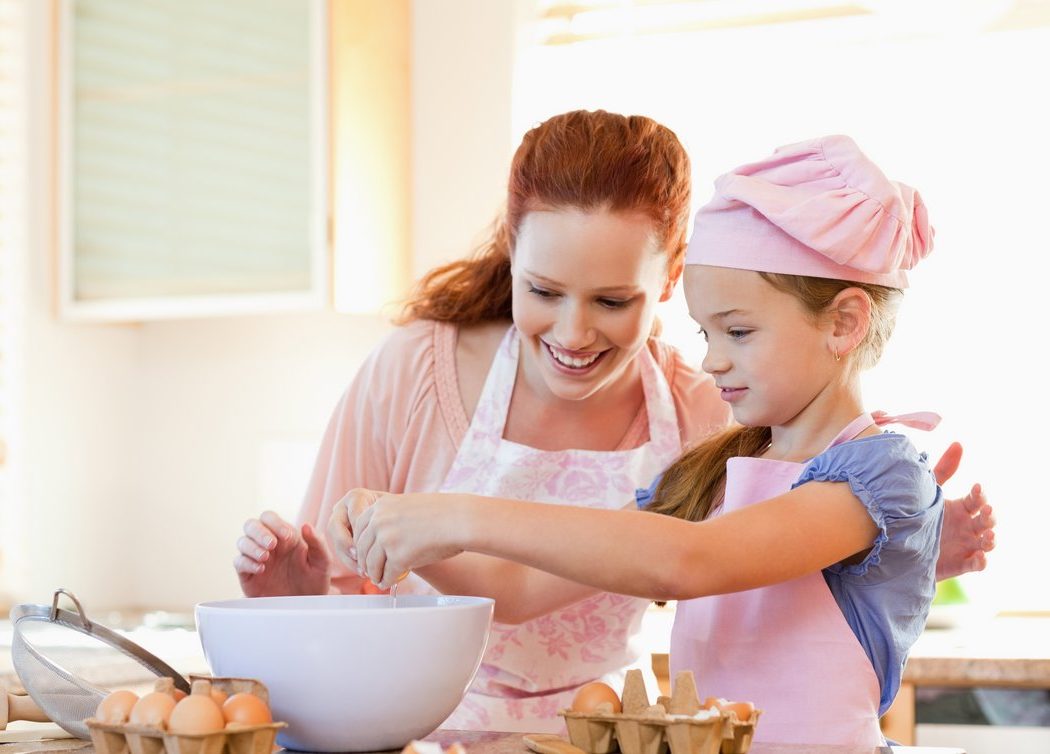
400, 423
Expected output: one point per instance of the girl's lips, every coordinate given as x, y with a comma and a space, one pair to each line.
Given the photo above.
730, 394
569, 370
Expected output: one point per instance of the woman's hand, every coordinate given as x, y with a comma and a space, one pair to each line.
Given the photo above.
277, 559
968, 531
396, 533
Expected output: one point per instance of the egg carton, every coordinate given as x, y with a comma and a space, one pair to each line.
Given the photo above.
139, 739
674, 725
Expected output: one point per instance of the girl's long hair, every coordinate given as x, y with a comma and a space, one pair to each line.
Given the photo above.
694, 485
582, 160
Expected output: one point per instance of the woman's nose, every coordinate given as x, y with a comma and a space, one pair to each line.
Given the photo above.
573, 329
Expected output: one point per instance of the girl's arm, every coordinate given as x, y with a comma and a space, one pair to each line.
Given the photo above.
629, 552
521, 593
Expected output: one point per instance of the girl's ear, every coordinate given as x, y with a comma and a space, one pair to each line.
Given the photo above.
673, 276
850, 314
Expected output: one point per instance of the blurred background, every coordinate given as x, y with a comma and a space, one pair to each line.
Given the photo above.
209, 212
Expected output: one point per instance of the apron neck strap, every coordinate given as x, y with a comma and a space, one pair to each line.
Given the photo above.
924, 420
852, 429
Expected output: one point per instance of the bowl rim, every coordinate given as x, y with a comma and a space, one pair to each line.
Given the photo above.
239, 604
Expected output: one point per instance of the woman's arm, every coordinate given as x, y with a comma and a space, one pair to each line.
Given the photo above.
629, 552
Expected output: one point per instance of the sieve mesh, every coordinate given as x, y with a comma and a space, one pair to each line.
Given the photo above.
68, 664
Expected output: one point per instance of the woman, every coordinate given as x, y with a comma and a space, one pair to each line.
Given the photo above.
532, 371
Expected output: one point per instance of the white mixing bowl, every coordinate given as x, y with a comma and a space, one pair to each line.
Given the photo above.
350, 673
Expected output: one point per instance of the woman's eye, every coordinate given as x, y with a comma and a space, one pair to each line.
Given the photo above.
614, 303
541, 292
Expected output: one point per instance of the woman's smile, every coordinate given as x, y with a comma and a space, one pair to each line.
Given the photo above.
575, 363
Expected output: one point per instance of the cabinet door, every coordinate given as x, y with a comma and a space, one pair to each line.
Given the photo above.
193, 157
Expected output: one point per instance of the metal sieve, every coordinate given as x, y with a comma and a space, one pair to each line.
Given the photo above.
68, 664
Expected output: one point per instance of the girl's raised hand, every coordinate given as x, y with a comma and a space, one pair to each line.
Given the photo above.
397, 533
274, 558
340, 529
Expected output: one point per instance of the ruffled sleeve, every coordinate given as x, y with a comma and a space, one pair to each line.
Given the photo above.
895, 484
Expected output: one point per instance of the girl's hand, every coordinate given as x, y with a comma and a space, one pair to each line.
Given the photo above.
340, 531
397, 533
968, 531
277, 559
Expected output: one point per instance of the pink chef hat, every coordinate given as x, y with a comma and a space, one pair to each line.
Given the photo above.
819, 208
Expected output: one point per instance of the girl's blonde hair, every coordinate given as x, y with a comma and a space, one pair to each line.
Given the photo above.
694, 484
581, 160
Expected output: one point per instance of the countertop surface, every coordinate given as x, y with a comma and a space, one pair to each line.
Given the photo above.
484, 742
1002, 651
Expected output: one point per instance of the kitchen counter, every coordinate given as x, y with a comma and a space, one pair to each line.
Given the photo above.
1006, 651
482, 742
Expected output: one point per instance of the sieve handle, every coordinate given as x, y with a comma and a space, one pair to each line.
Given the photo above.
80, 610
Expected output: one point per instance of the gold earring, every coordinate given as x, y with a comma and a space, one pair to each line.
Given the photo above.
838, 356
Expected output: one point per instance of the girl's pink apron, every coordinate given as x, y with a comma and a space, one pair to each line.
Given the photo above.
786, 647
531, 671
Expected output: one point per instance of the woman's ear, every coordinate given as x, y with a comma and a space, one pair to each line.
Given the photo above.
850, 318
673, 275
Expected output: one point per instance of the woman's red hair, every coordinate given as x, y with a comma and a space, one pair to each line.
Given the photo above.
581, 160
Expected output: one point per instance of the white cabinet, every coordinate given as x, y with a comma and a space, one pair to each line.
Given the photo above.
193, 157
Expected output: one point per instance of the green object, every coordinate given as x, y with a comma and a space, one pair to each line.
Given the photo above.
950, 592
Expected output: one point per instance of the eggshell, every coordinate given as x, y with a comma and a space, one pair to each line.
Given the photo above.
246, 709
219, 696
116, 707
153, 710
590, 696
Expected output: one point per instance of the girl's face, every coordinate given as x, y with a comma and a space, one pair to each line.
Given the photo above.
767, 354
586, 285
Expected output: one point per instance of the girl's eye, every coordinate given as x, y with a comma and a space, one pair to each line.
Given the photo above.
614, 303
737, 333
541, 292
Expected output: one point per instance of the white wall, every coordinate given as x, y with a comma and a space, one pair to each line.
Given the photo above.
147, 446
75, 382
941, 106
463, 60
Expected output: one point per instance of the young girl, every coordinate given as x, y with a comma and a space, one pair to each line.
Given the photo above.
801, 545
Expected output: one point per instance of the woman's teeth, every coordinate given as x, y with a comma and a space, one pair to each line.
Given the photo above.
573, 361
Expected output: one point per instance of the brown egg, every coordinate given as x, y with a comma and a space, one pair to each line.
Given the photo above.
591, 695
715, 702
153, 710
116, 707
197, 713
743, 710
246, 709
179, 694
219, 696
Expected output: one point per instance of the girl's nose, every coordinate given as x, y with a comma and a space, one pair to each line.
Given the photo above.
714, 361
